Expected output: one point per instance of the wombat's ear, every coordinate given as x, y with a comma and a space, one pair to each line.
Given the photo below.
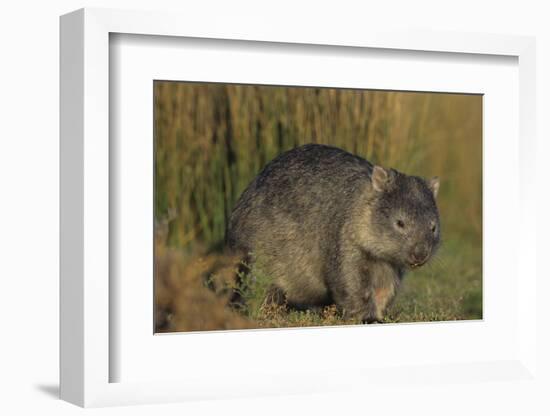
433, 184
380, 178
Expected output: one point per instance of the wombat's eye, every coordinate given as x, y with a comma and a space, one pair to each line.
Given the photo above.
400, 224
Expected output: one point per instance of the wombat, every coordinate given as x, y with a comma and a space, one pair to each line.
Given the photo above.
329, 227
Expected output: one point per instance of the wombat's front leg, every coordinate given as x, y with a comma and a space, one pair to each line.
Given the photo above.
378, 296
352, 304
372, 313
383, 281
365, 292
378, 300
351, 293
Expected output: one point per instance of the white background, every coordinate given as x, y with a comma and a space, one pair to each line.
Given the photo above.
29, 208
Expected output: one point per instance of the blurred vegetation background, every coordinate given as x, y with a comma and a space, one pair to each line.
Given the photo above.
211, 140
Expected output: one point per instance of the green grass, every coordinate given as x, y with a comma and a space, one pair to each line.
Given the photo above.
446, 289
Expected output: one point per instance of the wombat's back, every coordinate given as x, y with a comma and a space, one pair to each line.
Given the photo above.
300, 187
290, 215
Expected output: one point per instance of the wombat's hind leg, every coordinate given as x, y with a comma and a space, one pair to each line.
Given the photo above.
275, 296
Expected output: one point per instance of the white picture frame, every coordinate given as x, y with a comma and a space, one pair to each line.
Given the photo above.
86, 302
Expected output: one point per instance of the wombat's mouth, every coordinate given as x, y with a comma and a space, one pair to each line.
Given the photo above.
417, 265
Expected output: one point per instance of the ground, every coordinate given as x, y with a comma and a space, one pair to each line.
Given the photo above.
194, 294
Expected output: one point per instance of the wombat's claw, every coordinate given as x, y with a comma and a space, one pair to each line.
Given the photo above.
371, 321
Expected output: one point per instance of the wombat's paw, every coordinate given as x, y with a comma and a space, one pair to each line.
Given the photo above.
371, 314
275, 296
371, 320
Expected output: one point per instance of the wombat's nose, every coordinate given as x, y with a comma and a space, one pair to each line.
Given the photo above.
419, 254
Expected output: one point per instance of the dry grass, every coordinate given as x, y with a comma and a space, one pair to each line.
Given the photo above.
212, 139
186, 297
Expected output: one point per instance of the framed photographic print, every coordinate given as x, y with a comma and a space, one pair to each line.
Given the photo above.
267, 213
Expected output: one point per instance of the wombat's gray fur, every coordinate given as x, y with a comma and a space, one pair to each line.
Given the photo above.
329, 227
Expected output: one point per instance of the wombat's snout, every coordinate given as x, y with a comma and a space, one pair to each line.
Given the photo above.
419, 255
